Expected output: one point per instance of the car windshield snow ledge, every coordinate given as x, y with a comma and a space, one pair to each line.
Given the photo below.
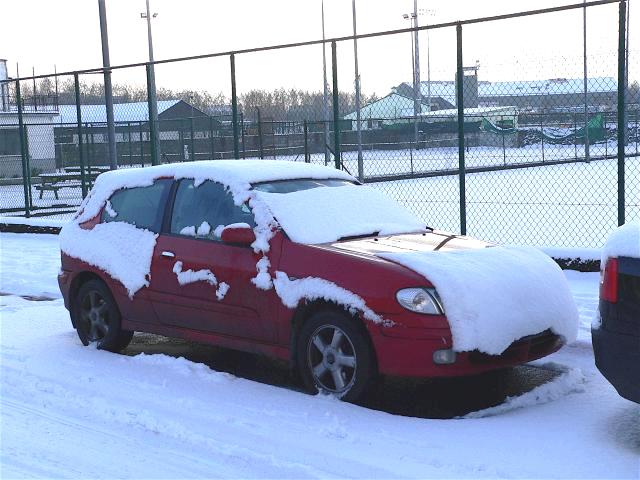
323, 215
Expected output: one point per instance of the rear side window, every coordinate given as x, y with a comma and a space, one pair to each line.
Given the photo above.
139, 206
197, 211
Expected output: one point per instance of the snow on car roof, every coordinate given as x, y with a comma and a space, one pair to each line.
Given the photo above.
624, 241
236, 175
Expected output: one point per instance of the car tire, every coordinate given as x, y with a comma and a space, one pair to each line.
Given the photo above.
334, 355
97, 318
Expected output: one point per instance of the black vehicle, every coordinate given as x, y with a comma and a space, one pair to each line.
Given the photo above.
616, 340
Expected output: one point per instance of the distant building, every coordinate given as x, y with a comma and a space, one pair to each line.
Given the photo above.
180, 127
38, 114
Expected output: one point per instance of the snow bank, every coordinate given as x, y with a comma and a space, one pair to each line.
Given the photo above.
291, 292
109, 247
321, 215
624, 241
494, 296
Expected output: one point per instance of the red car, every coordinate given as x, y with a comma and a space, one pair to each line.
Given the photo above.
190, 251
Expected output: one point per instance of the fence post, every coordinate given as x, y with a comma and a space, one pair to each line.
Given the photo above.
260, 133
542, 135
130, 145
83, 180
621, 106
153, 128
211, 138
141, 144
336, 107
24, 154
504, 148
460, 105
192, 143
234, 107
244, 149
306, 142
575, 138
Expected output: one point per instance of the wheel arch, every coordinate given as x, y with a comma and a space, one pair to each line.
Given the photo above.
307, 309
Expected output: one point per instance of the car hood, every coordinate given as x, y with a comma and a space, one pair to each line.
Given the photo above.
413, 242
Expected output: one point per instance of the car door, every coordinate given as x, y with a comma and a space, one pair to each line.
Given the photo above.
191, 263
142, 207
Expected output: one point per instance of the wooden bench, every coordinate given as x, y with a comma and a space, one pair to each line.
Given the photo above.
55, 187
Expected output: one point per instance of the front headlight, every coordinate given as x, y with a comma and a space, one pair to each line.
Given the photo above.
420, 300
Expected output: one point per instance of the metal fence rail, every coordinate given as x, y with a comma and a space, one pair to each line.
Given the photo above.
545, 162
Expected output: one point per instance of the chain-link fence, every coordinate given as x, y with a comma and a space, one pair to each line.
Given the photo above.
534, 147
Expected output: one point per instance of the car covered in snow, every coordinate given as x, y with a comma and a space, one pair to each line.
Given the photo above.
302, 263
615, 332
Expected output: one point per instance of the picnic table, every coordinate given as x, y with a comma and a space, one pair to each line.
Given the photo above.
69, 177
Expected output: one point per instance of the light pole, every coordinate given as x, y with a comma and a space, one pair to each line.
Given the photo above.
586, 105
108, 91
415, 54
153, 107
325, 95
357, 75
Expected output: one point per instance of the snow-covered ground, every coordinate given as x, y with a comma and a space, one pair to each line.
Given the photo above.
71, 411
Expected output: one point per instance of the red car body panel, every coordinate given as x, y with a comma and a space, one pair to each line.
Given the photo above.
255, 320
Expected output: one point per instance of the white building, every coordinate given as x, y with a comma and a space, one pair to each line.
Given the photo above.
38, 118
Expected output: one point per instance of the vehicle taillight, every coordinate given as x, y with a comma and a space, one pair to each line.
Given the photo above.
609, 281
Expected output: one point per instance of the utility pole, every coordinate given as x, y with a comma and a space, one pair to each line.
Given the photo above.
586, 104
358, 126
416, 71
108, 91
153, 101
325, 95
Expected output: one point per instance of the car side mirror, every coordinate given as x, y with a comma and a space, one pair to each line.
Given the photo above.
238, 234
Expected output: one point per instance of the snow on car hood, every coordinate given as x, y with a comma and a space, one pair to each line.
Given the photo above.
494, 296
414, 242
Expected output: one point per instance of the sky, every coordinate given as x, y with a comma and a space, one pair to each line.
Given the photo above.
66, 33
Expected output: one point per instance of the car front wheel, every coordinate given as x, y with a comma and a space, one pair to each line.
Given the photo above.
334, 356
97, 318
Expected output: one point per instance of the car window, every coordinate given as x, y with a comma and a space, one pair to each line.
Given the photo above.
198, 210
139, 206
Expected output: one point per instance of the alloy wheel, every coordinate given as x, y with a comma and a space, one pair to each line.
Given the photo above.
332, 359
94, 316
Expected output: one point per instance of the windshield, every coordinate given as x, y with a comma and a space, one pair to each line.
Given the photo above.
312, 214
288, 186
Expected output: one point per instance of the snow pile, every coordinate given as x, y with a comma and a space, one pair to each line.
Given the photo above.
109, 247
494, 296
291, 292
190, 276
321, 215
624, 241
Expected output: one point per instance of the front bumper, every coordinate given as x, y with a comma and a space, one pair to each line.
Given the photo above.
618, 359
413, 357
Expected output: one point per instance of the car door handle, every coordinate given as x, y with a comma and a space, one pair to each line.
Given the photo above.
168, 254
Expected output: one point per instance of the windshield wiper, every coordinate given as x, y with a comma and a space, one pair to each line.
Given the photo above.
355, 237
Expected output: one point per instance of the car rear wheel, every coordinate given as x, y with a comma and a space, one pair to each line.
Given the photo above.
334, 356
97, 318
